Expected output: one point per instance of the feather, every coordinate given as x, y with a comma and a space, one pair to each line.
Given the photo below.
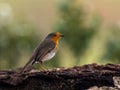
43, 49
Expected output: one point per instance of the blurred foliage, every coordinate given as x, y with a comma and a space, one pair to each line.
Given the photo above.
113, 45
16, 39
78, 31
82, 30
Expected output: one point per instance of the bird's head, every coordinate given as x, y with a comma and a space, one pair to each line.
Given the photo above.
55, 36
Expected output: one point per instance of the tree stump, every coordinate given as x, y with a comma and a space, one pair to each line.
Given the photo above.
87, 77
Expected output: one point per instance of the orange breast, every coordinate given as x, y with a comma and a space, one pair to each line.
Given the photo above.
56, 41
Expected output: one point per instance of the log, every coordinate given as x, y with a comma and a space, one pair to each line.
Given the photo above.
74, 78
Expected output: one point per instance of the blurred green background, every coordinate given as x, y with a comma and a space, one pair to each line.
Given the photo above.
91, 29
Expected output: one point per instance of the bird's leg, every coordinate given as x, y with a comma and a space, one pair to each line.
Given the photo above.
43, 67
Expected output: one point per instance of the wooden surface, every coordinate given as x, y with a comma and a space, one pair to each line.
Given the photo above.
75, 78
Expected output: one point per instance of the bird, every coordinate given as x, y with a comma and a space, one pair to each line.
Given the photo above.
45, 50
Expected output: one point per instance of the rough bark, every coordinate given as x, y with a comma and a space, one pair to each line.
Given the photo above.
75, 78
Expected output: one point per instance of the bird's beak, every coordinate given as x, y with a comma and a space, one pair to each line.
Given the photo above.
61, 35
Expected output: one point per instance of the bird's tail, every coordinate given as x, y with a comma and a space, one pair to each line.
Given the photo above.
27, 65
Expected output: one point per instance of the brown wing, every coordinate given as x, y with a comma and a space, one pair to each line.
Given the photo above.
38, 54
43, 49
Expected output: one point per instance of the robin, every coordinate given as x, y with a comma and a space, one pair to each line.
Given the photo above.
45, 51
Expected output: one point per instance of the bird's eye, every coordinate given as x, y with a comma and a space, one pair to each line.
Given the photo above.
55, 35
